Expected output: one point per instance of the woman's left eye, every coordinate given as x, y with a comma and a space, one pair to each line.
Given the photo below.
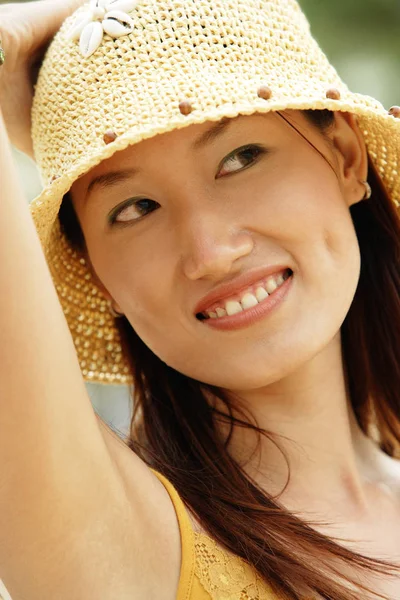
240, 159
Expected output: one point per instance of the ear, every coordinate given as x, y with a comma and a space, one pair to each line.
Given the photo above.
352, 156
100, 284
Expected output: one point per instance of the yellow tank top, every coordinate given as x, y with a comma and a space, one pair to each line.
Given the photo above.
209, 572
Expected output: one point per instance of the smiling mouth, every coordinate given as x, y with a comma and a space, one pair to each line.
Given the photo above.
248, 298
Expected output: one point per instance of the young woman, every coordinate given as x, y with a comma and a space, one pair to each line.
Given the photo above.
219, 216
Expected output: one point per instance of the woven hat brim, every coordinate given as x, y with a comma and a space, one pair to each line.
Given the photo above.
93, 328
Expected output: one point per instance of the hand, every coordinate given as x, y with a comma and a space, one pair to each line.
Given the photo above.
26, 29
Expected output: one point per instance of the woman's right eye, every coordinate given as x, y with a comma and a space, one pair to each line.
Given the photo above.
132, 210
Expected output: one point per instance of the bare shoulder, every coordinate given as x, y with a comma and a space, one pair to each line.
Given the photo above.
156, 523
116, 535
145, 492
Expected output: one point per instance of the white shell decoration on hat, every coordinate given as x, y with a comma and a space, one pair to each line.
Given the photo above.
103, 16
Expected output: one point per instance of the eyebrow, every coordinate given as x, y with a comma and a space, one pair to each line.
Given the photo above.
212, 133
108, 180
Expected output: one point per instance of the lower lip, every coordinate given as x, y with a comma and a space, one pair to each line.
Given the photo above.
254, 314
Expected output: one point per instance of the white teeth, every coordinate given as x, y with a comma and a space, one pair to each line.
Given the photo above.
261, 294
271, 285
233, 307
248, 301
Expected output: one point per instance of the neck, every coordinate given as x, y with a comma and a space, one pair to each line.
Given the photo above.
332, 462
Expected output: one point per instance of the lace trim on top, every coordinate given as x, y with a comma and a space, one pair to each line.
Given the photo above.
222, 574
226, 576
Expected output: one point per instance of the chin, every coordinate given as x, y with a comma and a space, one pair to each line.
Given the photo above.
265, 367
245, 375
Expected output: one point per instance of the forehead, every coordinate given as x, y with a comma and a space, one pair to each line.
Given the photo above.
192, 138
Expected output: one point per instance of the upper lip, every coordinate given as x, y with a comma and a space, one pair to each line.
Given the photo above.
232, 287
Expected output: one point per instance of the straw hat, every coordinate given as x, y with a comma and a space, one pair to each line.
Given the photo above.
120, 71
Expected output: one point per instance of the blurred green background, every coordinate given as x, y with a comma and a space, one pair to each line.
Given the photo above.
361, 38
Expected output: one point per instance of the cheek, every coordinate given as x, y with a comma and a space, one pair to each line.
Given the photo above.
320, 236
131, 280
305, 221
308, 217
139, 281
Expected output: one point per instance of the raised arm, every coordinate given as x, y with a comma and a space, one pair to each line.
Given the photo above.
56, 474
64, 511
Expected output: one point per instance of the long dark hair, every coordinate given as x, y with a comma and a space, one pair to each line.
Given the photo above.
174, 423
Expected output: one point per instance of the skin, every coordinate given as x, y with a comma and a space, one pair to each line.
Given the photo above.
289, 207
299, 393
26, 30
211, 230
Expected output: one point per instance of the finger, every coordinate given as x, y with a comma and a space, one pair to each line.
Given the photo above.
45, 17
63, 10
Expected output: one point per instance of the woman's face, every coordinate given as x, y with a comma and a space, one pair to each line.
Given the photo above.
209, 220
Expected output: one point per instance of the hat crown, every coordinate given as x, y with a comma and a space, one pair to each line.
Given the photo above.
178, 50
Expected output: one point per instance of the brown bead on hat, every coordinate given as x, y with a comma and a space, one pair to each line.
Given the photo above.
109, 137
185, 107
126, 66
333, 94
264, 92
395, 111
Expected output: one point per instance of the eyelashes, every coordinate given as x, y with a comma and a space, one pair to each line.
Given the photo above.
241, 158
136, 209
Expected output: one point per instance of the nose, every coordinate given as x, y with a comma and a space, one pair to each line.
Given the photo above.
212, 246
